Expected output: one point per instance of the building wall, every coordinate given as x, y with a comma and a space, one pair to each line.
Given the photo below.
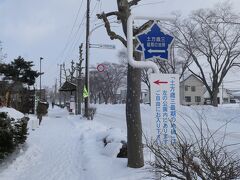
145, 96
191, 91
224, 97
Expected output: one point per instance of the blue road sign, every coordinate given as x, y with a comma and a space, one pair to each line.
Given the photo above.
154, 43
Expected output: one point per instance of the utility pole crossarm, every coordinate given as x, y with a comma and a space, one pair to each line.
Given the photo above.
87, 58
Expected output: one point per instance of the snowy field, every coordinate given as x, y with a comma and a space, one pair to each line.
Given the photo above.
67, 147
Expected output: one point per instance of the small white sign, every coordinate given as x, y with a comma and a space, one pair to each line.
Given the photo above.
72, 104
164, 105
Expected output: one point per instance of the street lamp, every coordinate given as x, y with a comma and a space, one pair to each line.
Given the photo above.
41, 58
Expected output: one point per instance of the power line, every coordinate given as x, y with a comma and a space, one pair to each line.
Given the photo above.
95, 7
76, 17
70, 34
77, 39
74, 42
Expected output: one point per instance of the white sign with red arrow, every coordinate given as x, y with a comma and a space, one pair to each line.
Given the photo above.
164, 105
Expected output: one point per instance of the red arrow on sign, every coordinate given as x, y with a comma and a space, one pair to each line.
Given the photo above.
158, 82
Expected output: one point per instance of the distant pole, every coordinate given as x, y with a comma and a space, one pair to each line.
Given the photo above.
60, 85
40, 79
183, 88
55, 89
87, 56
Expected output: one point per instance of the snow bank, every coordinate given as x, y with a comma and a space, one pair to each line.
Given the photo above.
13, 113
69, 147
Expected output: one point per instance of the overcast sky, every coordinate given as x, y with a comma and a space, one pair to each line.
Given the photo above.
51, 29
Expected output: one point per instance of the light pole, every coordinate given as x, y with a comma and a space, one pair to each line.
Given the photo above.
41, 58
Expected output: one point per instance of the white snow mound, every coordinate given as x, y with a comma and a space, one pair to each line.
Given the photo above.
13, 113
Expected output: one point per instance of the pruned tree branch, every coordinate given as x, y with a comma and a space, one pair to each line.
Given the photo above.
111, 33
114, 13
133, 2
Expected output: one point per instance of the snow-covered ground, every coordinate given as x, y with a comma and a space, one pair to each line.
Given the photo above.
67, 147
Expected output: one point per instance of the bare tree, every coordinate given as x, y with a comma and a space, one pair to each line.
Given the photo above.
211, 39
69, 73
95, 88
176, 64
107, 82
122, 54
200, 153
133, 117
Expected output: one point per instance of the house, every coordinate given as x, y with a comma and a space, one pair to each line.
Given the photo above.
224, 96
145, 96
21, 98
236, 95
191, 91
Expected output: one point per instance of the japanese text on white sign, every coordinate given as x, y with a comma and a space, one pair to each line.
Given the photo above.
164, 104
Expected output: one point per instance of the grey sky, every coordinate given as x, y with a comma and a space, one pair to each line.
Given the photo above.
34, 29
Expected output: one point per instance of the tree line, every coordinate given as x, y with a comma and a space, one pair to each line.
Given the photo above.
17, 77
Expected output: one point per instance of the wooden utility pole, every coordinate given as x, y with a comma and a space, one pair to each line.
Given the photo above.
87, 55
55, 89
40, 95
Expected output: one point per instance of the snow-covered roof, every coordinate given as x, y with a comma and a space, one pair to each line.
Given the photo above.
191, 75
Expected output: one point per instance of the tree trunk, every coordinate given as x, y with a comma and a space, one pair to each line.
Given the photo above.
8, 98
133, 117
215, 98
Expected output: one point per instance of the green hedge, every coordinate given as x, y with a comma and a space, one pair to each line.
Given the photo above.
12, 134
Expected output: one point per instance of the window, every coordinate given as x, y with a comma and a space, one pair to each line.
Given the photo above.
188, 98
186, 88
193, 88
197, 99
